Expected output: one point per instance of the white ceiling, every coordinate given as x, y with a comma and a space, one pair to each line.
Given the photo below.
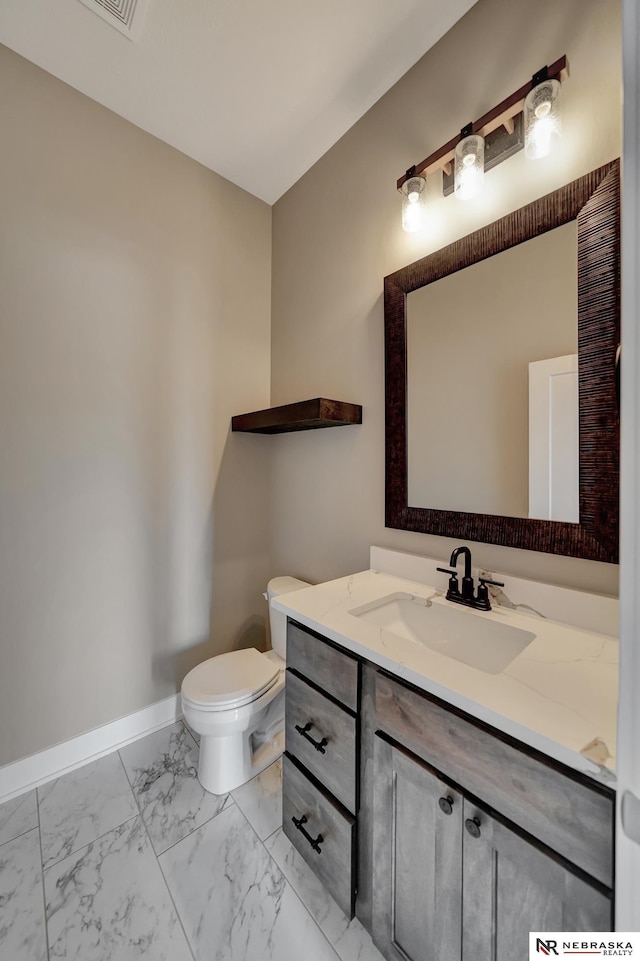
256, 90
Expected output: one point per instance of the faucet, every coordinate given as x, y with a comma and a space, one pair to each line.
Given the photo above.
467, 580
466, 596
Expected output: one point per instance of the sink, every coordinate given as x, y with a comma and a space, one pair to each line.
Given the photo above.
463, 635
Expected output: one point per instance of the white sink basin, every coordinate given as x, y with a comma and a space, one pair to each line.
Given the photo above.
463, 635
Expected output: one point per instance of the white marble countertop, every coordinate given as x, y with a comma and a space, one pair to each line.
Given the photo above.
559, 695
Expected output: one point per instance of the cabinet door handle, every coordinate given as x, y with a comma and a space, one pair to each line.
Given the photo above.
314, 842
473, 827
446, 804
304, 731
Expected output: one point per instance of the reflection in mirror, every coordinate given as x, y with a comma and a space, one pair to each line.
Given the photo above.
502, 325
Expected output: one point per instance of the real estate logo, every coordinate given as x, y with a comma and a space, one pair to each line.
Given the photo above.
546, 947
576, 944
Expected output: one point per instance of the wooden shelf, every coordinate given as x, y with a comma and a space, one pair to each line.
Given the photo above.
304, 415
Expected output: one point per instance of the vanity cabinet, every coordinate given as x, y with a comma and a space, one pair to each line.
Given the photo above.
450, 839
512, 886
492, 840
451, 881
320, 774
417, 860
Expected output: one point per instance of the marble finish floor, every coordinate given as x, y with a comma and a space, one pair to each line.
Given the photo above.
128, 858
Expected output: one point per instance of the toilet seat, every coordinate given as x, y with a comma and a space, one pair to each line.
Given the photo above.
230, 680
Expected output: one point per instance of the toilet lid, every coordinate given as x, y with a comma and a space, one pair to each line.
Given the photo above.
233, 678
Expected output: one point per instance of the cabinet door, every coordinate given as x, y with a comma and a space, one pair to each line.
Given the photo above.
512, 887
417, 860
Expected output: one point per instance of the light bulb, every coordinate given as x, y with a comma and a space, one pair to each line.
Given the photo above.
469, 167
541, 119
413, 204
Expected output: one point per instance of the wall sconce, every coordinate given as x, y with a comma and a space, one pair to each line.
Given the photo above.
469, 164
413, 202
528, 118
541, 116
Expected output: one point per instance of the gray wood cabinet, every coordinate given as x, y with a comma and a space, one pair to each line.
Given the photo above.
321, 831
452, 882
511, 887
451, 839
417, 860
320, 768
313, 720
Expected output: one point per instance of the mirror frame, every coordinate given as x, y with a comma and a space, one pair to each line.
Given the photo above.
594, 202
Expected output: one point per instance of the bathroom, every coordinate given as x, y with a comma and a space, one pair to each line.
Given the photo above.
139, 533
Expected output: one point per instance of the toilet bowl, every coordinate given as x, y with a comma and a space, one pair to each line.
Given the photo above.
235, 702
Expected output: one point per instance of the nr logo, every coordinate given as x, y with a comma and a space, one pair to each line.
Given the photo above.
546, 947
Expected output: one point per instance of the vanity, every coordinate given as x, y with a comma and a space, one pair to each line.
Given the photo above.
414, 786
449, 772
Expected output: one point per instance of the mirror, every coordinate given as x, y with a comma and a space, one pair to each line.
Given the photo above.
491, 340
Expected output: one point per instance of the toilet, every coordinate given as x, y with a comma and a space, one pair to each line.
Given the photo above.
235, 702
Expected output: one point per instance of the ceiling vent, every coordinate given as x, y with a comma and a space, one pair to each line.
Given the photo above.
127, 16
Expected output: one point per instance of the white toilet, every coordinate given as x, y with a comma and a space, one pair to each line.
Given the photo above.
235, 702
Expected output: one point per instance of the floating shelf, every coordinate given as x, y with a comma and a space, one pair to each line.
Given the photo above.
304, 415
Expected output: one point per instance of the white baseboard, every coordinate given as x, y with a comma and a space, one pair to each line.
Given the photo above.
30, 772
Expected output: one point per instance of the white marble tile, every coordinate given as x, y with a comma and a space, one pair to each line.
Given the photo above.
79, 807
109, 902
22, 929
349, 938
260, 800
18, 816
234, 901
163, 770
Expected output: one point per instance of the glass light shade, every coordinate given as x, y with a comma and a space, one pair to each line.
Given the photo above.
413, 204
469, 167
541, 119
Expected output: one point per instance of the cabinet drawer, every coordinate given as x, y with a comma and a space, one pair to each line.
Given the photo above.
558, 809
311, 715
326, 839
336, 672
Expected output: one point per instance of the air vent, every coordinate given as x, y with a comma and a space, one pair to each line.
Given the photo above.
125, 15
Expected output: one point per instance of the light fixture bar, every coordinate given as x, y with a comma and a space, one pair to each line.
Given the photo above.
501, 115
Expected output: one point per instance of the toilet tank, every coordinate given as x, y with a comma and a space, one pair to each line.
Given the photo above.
278, 620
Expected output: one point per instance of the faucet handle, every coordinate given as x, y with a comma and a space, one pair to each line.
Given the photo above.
454, 590
482, 599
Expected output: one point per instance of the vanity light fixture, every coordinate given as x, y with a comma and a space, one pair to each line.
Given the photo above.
541, 115
469, 164
413, 202
528, 118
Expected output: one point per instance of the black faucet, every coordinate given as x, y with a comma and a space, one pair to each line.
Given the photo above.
467, 580
466, 596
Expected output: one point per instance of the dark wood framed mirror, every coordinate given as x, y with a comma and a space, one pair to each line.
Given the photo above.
593, 202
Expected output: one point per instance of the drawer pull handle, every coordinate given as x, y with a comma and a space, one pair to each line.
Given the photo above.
314, 842
446, 804
473, 827
304, 731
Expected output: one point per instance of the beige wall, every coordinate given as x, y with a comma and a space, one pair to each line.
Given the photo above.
337, 233
134, 321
